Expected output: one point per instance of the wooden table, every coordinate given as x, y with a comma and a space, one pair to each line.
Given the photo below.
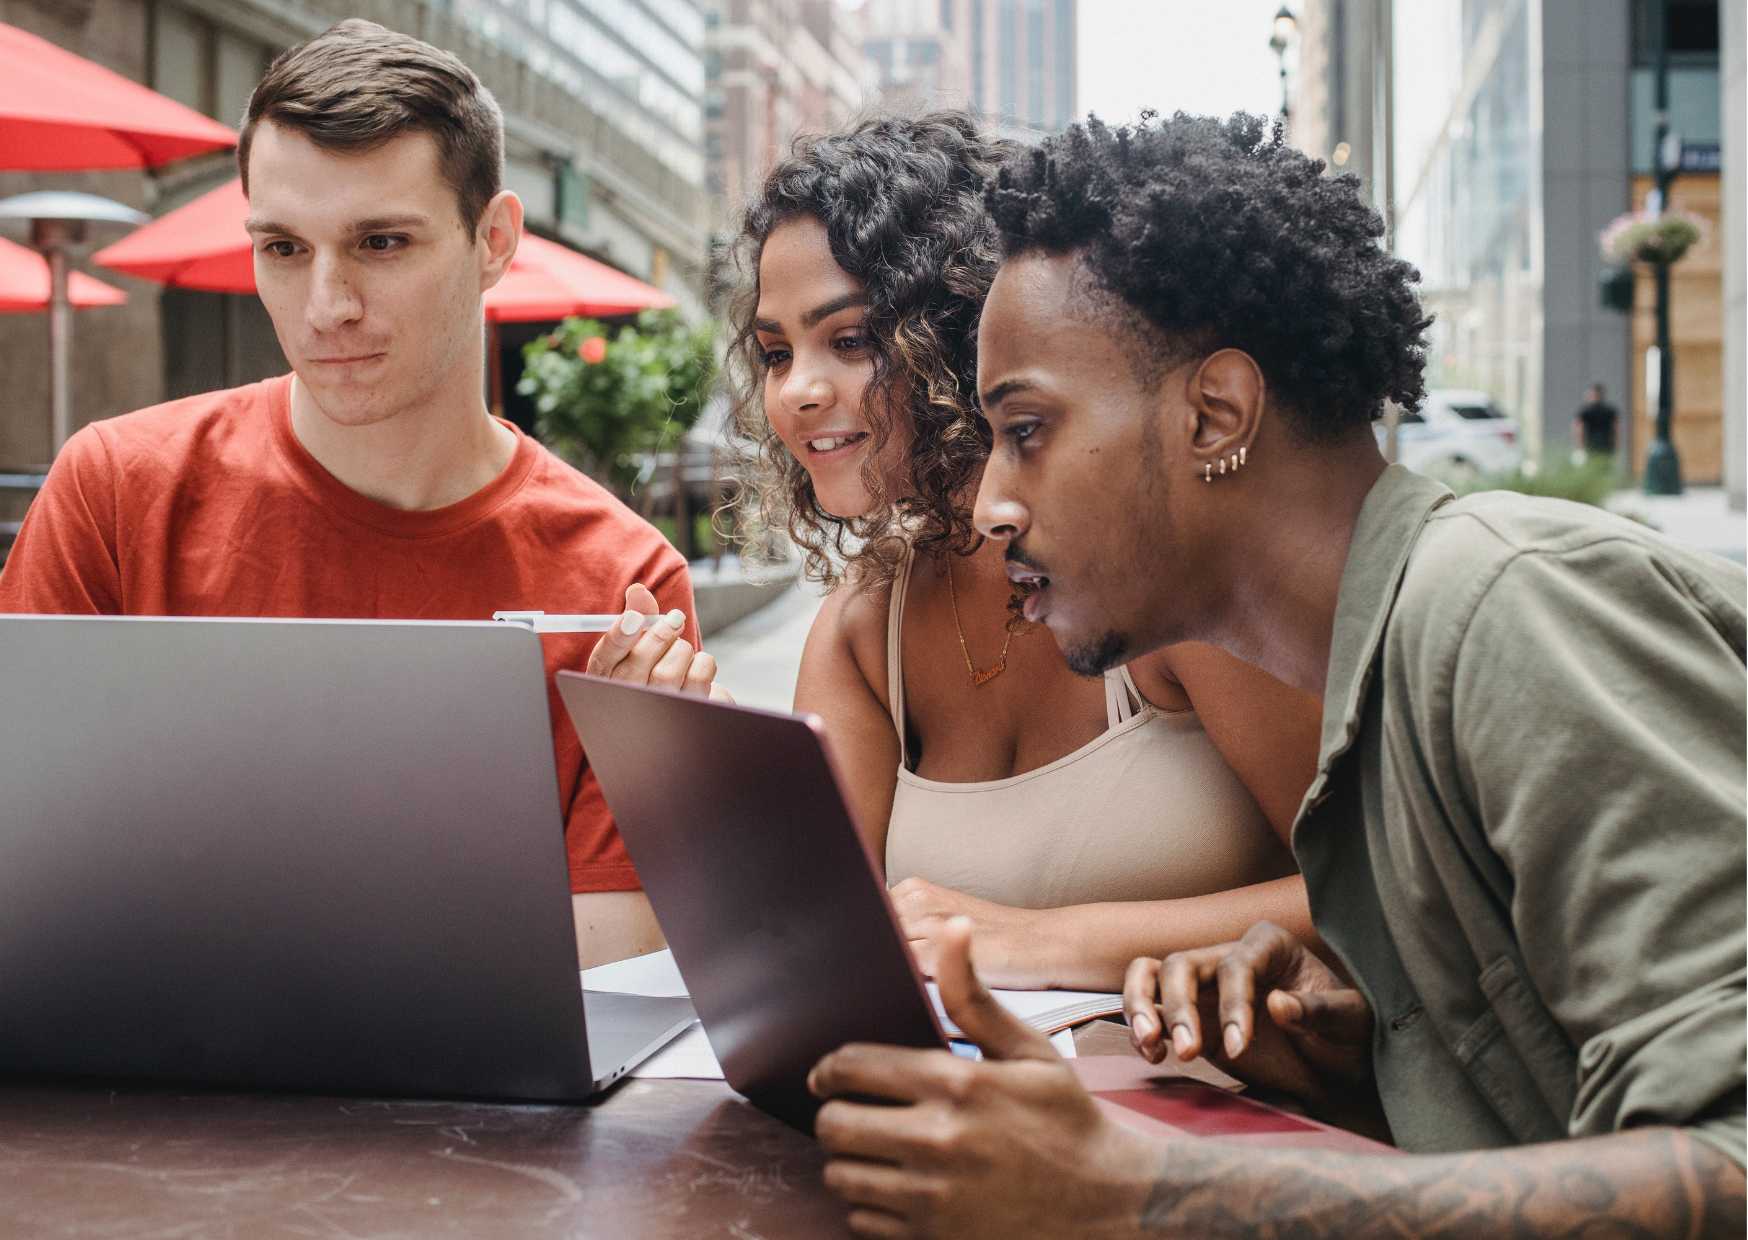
653, 1158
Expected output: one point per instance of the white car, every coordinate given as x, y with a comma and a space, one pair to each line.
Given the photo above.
1459, 435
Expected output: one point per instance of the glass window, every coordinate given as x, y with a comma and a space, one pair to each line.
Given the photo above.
1035, 61
1693, 110
1007, 55
1065, 101
977, 99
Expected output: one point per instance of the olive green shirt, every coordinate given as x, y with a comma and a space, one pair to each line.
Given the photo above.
1526, 834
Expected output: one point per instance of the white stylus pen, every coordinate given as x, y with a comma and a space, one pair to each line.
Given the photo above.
540, 622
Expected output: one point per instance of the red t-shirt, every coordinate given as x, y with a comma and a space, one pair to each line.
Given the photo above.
210, 506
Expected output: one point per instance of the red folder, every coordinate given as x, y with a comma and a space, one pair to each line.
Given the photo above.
1167, 1101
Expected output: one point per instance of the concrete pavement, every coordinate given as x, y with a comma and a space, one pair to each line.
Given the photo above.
1700, 517
757, 657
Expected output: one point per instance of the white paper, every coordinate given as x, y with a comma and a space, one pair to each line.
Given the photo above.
687, 1056
690, 1056
1045, 1010
654, 974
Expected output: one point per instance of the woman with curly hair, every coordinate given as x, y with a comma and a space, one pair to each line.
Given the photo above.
1079, 822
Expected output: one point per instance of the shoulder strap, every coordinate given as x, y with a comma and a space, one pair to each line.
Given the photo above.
895, 652
1123, 701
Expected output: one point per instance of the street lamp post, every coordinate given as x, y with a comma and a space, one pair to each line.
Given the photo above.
1284, 25
1662, 466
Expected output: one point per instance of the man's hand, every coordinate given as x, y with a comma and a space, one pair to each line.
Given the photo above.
655, 655
1007, 1147
1007, 940
1312, 1040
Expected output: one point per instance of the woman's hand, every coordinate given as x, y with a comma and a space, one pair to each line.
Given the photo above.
1266, 1010
1009, 944
655, 654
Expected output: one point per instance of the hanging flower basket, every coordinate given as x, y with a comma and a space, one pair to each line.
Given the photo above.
1639, 237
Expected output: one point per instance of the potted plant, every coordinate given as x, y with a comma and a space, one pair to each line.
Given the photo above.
1640, 237
607, 399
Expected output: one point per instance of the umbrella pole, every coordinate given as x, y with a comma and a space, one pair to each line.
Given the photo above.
60, 348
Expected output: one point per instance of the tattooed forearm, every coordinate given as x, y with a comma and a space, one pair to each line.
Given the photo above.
1655, 1183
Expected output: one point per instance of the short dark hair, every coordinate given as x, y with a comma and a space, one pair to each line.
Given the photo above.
1222, 236
901, 201
358, 85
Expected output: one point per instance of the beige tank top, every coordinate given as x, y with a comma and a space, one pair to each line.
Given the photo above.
1146, 810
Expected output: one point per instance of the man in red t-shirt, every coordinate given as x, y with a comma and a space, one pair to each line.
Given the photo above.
372, 482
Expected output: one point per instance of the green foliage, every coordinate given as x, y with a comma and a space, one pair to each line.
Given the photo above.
606, 397
1589, 482
1638, 237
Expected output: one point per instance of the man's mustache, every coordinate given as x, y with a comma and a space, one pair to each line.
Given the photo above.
1016, 554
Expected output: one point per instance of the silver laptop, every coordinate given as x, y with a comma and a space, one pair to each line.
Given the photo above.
774, 908
293, 854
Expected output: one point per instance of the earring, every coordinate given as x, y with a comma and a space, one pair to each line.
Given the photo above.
1228, 464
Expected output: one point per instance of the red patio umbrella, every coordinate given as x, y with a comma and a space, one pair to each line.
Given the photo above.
24, 283
202, 245
61, 112
550, 281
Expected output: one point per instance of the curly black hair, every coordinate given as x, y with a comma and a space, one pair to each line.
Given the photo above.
1223, 236
901, 199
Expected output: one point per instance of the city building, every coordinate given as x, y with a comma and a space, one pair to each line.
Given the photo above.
1011, 60
774, 69
1334, 113
1499, 138
603, 104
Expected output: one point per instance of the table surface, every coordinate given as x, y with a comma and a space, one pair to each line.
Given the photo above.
652, 1158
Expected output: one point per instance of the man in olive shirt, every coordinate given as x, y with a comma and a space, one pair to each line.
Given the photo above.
1525, 842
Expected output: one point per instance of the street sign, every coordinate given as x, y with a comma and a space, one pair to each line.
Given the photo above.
1701, 157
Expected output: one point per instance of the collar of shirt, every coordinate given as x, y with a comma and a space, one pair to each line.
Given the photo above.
1389, 525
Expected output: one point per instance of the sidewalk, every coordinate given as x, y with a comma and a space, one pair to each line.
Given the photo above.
1700, 517
757, 657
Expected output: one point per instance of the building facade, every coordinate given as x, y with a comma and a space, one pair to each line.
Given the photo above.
1011, 60
774, 69
1499, 138
603, 104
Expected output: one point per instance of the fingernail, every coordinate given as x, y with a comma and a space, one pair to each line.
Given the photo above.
1180, 1040
677, 619
630, 622
1143, 1027
1234, 1041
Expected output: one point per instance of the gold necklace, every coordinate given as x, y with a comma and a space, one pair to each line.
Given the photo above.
1001, 665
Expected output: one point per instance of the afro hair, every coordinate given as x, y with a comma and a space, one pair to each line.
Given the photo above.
1222, 236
